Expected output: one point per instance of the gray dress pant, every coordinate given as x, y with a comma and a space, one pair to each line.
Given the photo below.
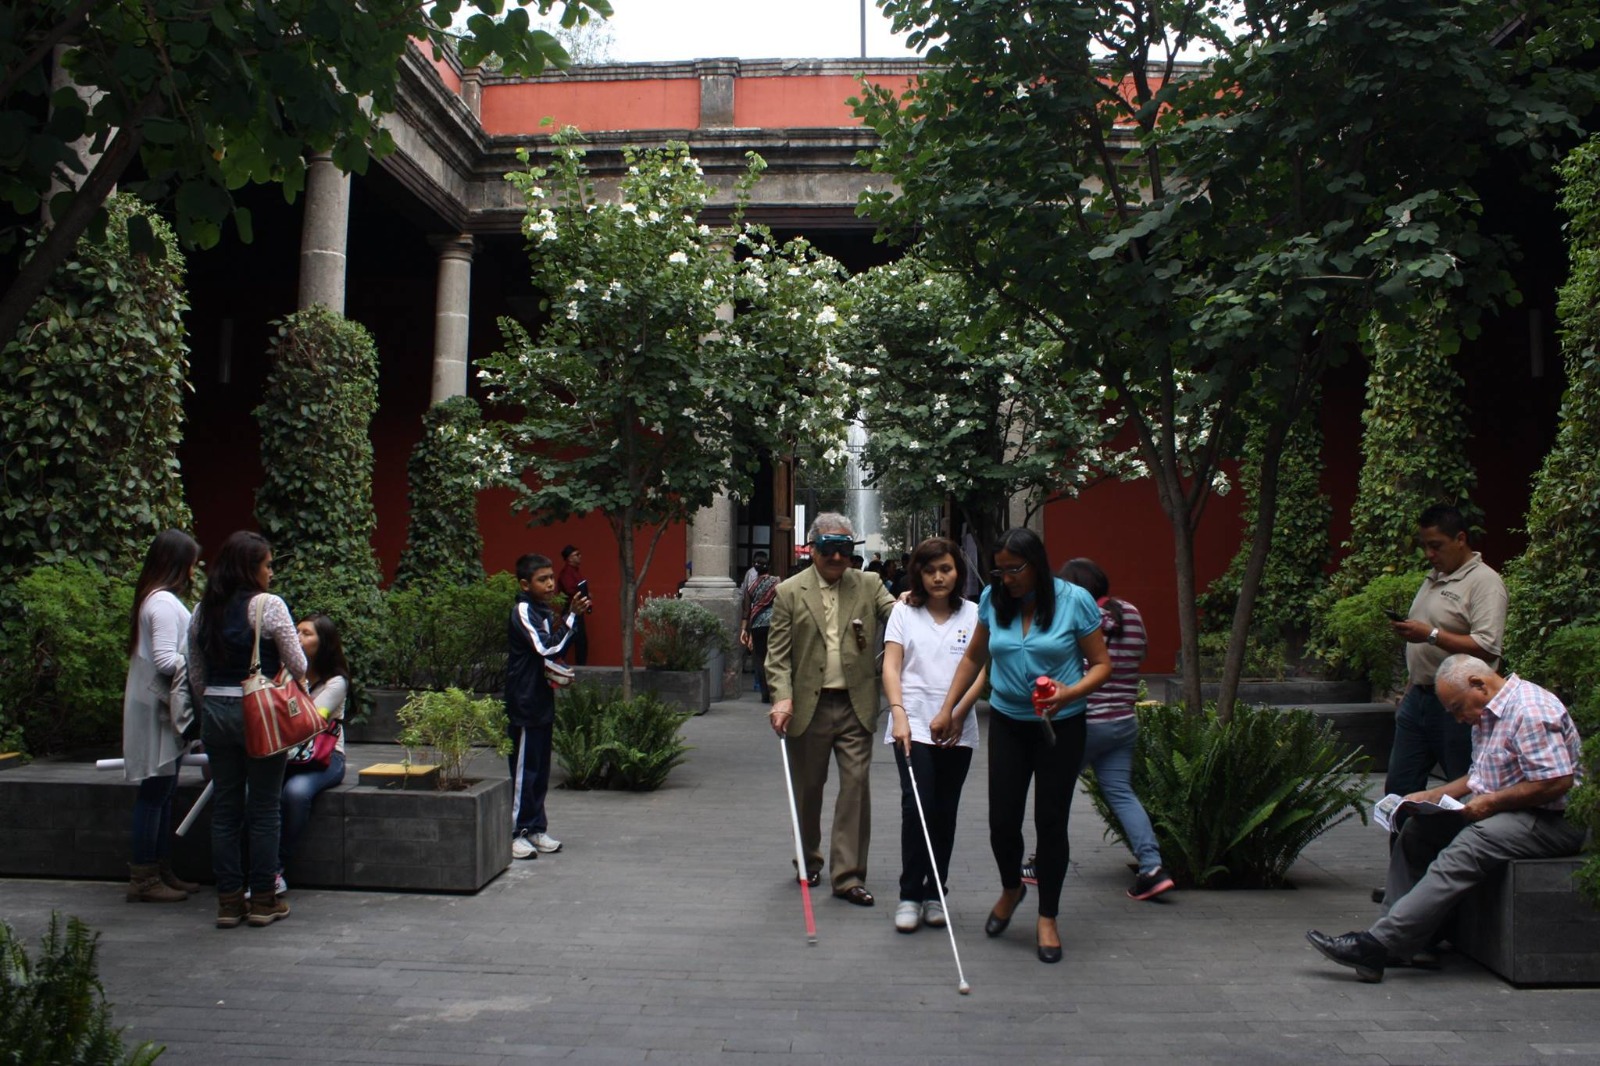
1438, 858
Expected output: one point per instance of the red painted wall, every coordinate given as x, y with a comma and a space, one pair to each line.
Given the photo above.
801, 102
651, 104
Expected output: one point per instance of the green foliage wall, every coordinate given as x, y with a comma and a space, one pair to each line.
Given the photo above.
443, 545
1556, 581
63, 658
315, 499
1413, 447
1295, 570
92, 411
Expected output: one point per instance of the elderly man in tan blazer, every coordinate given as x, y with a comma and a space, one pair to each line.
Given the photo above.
822, 669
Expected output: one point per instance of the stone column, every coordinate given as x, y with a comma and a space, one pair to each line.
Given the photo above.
472, 90
324, 234
716, 92
450, 314
711, 555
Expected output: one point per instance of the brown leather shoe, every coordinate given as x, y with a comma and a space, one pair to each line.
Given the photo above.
145, 886
856, 894
231, 909
266, 908
172, 880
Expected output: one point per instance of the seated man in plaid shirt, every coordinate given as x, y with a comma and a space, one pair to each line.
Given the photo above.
1524, 760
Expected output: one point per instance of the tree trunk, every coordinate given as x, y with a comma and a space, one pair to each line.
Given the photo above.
623, 528
1255, 566
61, 238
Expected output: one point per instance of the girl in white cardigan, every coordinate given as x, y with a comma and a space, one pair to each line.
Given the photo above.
150, 745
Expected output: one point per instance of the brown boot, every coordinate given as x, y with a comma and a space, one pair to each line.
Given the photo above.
231, 909
172, 880
267, 907
144, 886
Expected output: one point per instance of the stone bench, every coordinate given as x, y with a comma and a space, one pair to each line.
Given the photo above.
1529, 925
68, 820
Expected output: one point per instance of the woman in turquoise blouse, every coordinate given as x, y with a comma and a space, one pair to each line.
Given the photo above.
1030, 625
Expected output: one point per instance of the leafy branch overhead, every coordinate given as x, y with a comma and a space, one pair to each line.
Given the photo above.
209, 97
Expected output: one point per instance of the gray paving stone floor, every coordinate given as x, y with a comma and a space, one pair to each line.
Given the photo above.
670, 931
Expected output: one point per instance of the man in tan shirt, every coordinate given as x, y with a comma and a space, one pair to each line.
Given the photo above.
822, 669
1459, 610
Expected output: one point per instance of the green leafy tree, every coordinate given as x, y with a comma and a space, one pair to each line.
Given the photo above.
951, 399
455, 458
639, 399
315, 499
1210, 244
92, 413
1413, 447
207, 97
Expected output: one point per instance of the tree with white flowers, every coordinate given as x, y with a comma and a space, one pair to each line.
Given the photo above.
960, 398
638, 397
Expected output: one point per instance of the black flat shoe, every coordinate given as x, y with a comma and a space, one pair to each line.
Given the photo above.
995, 925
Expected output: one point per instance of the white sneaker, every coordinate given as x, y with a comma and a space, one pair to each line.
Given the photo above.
546, 843
907, 916
933, 913
522, 847
279, 885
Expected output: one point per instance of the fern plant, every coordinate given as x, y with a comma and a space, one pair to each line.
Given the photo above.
1235, 803
53, 1008
604, 741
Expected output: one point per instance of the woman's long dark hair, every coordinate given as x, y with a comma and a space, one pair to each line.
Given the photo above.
1026, 544
234, 572
167, 568
329, 662
930, 550
1087, 575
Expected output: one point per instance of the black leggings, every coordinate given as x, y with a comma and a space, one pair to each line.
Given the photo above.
940, 774
1018, 756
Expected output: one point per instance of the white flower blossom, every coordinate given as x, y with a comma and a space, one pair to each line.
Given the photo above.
579, 286
827, 316
629, 209
679, 258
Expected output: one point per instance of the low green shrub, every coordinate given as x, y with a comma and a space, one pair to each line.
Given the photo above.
604, 741
452, 725
1262, 660
679, 634
53, 1008
445, 636
1354, 637
64, 657
1234, 803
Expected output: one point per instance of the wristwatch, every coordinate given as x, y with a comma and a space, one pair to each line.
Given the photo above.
1433, 637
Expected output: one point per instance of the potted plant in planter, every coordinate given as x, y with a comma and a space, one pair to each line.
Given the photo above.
434, 638
680, 637
456, 838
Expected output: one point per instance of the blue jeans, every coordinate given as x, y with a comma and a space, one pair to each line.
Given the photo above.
246, 794
298, 791
152, 819
1109, 752
1424, 733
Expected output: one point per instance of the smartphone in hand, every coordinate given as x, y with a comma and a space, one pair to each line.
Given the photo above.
1393, 616
583, 590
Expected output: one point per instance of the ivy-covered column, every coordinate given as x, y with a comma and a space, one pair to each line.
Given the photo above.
324, 235
450, 315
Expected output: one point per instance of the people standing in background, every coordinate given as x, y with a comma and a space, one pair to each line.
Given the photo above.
755, 619
567, 582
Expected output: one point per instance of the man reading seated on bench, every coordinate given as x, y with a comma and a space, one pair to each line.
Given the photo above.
1524, 760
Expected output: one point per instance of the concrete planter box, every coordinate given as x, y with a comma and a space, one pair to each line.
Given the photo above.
1529, 925
381, 725
426, 842
689, 690
71, 821
1296, 692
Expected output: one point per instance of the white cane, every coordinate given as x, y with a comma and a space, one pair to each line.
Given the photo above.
938, 882
799, 854
194, 812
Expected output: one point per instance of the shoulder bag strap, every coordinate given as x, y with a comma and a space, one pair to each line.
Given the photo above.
255, 645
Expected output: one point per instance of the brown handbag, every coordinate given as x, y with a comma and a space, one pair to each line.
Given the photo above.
278, 714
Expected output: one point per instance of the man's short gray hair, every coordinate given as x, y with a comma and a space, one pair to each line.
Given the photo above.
1455, 670
829, 522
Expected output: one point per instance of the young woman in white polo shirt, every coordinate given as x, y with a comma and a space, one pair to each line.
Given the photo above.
924, 640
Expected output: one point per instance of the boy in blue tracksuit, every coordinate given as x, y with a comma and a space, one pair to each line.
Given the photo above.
535, 634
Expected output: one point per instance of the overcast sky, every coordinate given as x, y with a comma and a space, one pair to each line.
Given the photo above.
645, 30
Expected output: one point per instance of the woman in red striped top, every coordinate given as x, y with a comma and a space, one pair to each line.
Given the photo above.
1114, 727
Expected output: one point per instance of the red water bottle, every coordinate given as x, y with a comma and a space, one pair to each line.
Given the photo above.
1043, 690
